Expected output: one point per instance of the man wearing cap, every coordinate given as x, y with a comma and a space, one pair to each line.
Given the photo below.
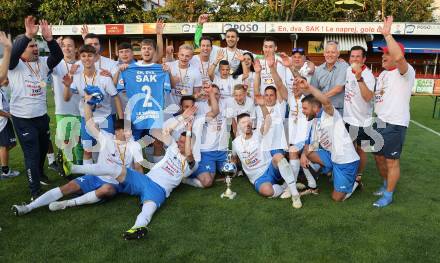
329, 77
392, 97
304, 67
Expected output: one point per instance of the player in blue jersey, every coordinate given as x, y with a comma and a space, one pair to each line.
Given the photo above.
146, 92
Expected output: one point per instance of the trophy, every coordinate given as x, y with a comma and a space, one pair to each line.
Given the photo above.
229, 169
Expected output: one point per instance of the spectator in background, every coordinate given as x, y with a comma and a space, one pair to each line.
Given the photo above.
28, 81
329, 77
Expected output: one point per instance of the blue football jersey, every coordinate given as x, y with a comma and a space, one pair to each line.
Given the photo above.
145, 86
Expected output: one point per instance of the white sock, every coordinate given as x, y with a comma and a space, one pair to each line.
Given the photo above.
287, 174
89, 161
50, 158
310, 179
157, 159
193, 182
277, 190
88, 198
295, 168
97, 169
46, 198
315, 166
147, 212
355, 185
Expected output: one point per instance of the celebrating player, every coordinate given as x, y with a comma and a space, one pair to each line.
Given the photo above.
118, 148
67, 113
329, 144
91, 82
264, 170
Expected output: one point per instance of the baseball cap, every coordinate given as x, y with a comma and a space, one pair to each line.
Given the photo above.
385, 48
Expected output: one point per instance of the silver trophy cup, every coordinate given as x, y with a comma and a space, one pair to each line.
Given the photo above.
229, 169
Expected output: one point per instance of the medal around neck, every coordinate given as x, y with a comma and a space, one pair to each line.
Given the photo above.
229, 169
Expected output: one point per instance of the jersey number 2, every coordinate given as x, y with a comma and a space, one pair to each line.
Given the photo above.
147, 90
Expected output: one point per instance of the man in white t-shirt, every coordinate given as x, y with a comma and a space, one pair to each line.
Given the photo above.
358, 106
238, 104
67, 113
203, 60
224, 80
263, 169
392, 97
185, 78
91, 82
120, 149
300, 64
275, 99
28, 74
212, 138
328, 144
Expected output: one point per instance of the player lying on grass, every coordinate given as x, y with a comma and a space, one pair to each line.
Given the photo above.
264, 170
119, 148
329, 143
155, 186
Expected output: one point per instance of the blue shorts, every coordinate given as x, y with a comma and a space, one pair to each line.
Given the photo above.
271, 175
344, 175
87, 139
210, 162
393, 139
273, 152
141, 185
89, 183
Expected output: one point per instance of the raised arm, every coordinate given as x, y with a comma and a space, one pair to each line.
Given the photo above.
203, 18
281, 88
88, 115
267, 120
7, 46
240, 57
67, 81
309, 89
20, 44
257, 77
213, 66
214, 104
159, 40
174, 122
188, 143
56, 54
393, 48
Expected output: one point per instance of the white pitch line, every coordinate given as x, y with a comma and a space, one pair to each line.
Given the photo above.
426, 128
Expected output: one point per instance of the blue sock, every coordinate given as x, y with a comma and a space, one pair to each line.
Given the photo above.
385, 200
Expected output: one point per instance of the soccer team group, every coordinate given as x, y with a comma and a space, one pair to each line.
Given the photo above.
177, 115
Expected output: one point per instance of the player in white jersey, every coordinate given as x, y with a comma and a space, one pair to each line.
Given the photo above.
263, 169
203, 60
275, 98
119, 148
154, 187
238, 104
212, 138
185, 78
298, 128
67, 113
392, 97
328, 144
224, 80
265, 78
91, 82
231, 51
358, 105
